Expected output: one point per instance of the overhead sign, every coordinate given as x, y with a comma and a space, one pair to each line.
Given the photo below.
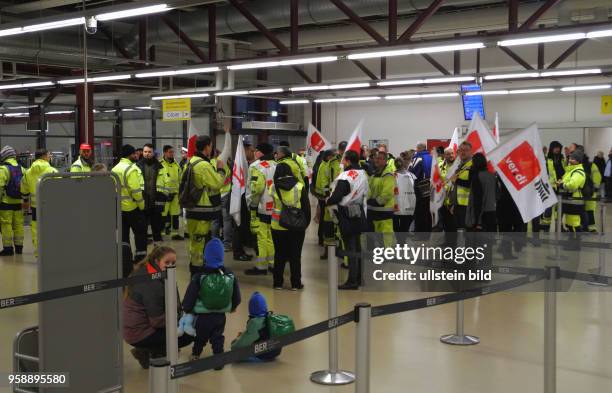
606, 105
177, 109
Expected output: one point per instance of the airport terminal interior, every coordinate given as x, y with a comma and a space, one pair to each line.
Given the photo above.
89, 82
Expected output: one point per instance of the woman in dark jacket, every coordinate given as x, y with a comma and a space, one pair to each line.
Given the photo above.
481, 211
288, 243
144, 313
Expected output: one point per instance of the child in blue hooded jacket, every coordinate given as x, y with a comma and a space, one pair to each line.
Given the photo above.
257, 327
210, 295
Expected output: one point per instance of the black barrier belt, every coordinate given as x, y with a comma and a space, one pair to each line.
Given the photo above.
78, 290
578, 240
196, 366
588, 277
394, 308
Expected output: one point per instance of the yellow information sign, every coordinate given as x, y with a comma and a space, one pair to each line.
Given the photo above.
176, 109
606, 105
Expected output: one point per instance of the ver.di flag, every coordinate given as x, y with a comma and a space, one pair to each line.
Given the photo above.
479, 136
356, 139
239, 176
521, 166
191, 141
438, 191
454, 142
495, 130
315, 144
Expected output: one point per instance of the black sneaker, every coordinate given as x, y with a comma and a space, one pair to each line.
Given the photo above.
348, 287
297, 288
243, 257
167, 231
18, 250
143, 357
256, 272
177, 237
219, 368
7, 251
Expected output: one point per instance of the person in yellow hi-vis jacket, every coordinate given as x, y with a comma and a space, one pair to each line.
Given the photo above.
29, 181
84, 162
132, 202
571, 185
199, 218
261, 174
11, 211
172, 210
460, 192
555, 166
287, 191
381, 196
592, 171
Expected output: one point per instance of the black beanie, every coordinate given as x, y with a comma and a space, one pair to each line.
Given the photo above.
265, 148
127, 150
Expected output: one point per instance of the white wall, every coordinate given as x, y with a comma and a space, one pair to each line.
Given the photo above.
562, 117
599, 139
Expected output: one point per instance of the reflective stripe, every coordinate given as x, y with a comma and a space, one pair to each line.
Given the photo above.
380, 209
205, 209
126, 198
572, 202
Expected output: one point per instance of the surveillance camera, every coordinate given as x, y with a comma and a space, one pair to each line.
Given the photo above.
91, 25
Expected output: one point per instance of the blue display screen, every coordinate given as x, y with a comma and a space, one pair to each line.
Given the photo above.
472, 104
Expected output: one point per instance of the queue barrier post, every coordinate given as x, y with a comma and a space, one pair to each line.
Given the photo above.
550, 330
557, 256
363, 316
332, 376
159, 376
171, 323
601, 268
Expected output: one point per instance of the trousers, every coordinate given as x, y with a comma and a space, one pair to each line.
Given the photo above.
209, 328
11, 225
136, 222
288, 247
199, 234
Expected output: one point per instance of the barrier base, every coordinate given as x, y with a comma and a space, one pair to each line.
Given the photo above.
454, 339
328, 377
557, 258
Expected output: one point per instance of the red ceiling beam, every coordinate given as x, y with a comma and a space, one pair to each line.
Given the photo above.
536, 15
513, 8
563, 56
186, 40
358, 20
516, 57
436, 65
420, 21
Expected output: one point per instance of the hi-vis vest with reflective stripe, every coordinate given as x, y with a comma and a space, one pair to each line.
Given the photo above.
463, 193
80, 166
132, 184
358, 180
173, 176
381, 188
265, 201
227, 173
206, 176
290, 198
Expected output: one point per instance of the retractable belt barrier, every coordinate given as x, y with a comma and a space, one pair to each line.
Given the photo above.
78, 290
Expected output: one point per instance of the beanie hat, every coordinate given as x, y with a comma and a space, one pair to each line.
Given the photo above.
127, 150
257, 305
285, 150
214, 253
342, 145
554, 144
7, 152
577, 155
265, 148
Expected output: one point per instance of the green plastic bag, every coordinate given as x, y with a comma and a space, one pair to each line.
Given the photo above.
279, 325
216, 291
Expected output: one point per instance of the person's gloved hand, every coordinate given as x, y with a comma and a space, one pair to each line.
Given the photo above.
185, 325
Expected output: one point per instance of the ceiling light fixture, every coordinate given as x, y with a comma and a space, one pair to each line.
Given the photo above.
311, 60
59, 112
54, 25
542, 39
487, 93
309, 88
348, 86
264, 91
439, 95
599, 34
402, 82
512, 76
171, 97
423, 50
232, 93
8, 87
404, 97
294, 102
13, 31
186, 71
248, 66
532, 91
585, 88
152, 9
450, 79
571, 72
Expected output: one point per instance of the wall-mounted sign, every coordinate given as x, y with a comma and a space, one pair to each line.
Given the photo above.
176, 109
606, 105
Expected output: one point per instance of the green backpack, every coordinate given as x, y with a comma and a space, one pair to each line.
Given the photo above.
279, 325
216, 291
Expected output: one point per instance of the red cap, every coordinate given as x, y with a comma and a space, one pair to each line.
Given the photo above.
85, 146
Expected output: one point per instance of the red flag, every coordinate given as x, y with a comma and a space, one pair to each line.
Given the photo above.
356, 139
315, 144
454, 142
495, 130
191, 142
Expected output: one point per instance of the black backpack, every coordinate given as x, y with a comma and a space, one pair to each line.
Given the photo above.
589, 188
189, 194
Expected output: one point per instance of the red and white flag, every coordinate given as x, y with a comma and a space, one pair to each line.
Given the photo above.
356, 139
495, 130
191, 141
480, 136
521, 165
239, 178
454, 142
438, 191
315, 144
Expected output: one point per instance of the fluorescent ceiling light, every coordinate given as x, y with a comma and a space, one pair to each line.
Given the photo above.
13, 31
16, 114
128, 110
324, 100
542, 39
599, 34
532, 91
448, 48
372, 98
249, 66
346, 99
70, 81
450, 79
404, 82
194, 95
349, 86
439, 95
386, 53
232, 93
54, 25
264, 91
110, 111
487, 93
108, 78
324, 59
310, 88
512, 76
153, 9
144, 108
59, 112
155, 73
571, 72
196, 70
14, 86
403, 97
37, 84
585, 88
293, 102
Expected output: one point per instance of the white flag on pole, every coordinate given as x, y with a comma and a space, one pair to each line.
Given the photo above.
480, 136
438, 191
239, 176
521, 165
495, 130
356, 139
454, 142
315, 144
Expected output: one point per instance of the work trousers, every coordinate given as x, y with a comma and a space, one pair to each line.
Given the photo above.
288, 248
11, 225
154, 219
422, 215
352, 247
136, 221
209, 327
156, 343
265, 245
199, 235
170, 216
225, 222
